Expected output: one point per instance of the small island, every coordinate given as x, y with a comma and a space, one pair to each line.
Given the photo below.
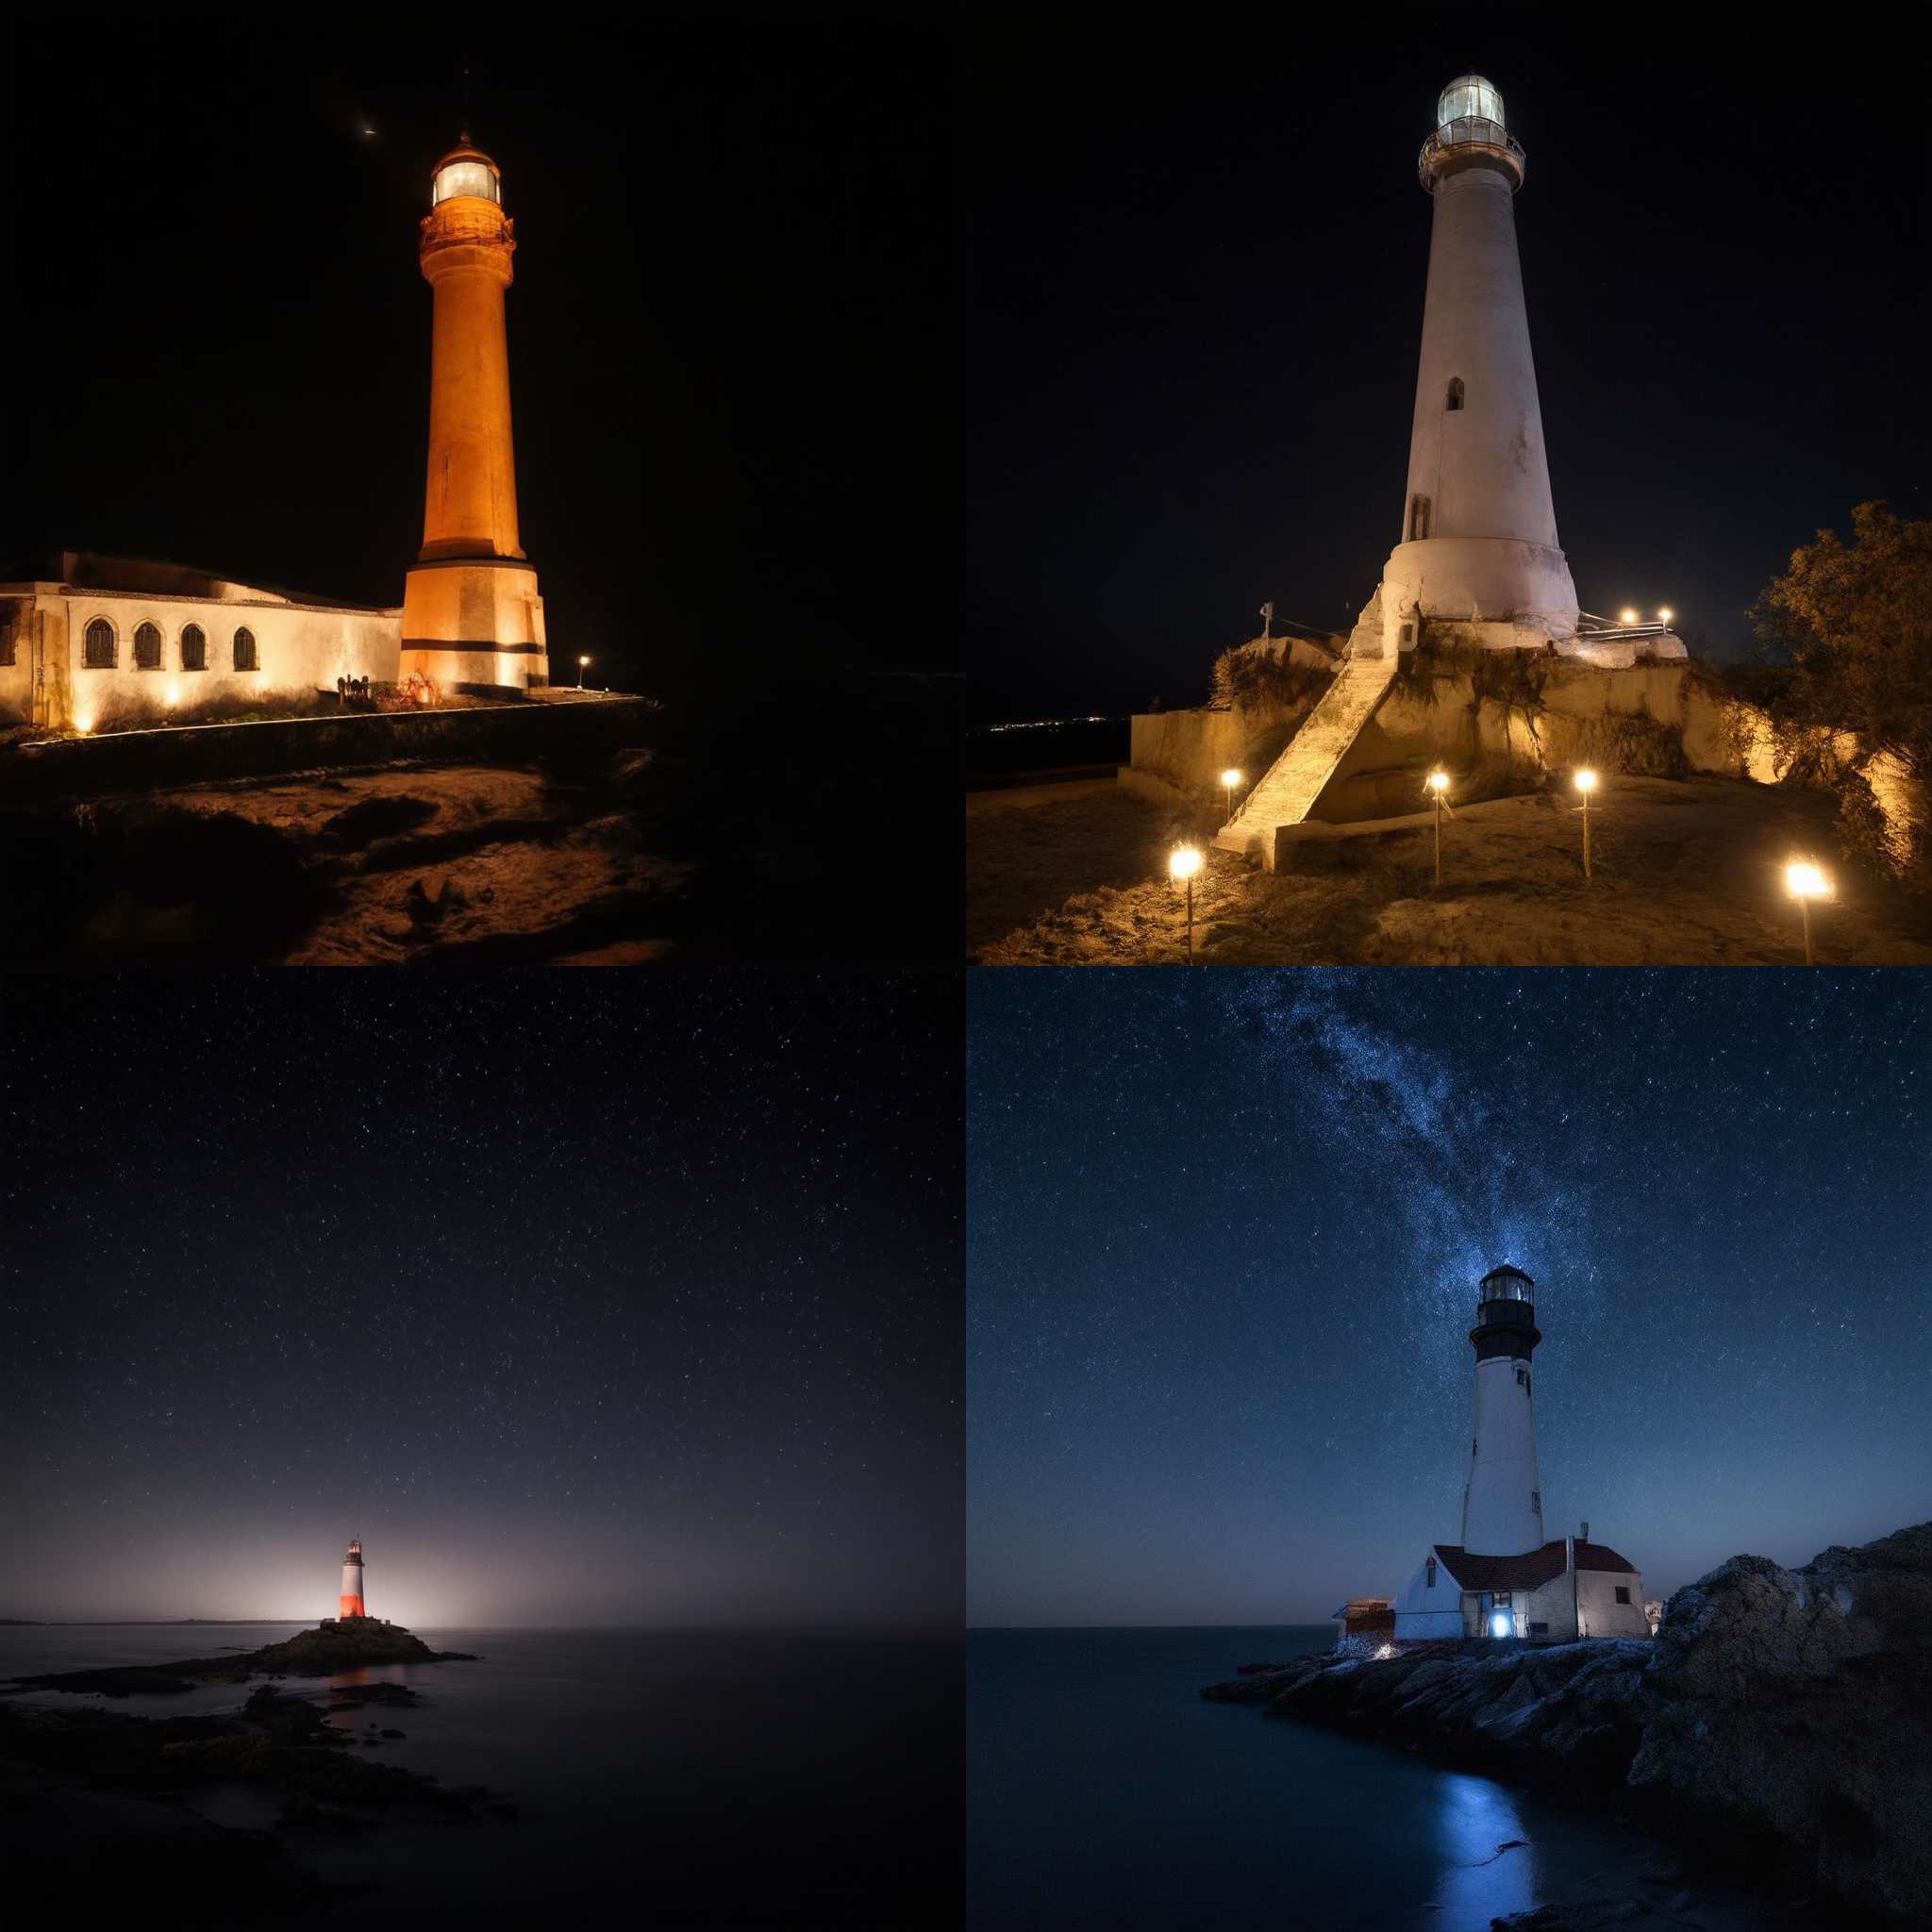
344, 1643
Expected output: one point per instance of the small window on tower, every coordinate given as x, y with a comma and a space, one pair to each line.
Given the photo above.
1428, 1568
1536, 1496
1623, 1588
1455, 401
1418, 518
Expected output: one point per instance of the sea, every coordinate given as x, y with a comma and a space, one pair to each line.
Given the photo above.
661, 1779
1101, 1791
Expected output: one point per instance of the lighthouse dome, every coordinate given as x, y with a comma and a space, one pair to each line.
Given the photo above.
1469, 97
465, 171
1506, 1284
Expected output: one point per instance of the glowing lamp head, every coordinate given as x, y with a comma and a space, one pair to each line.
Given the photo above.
1804, 880
1499, 1623
1469, 97
1626, 617
1439, 781
1230, 778
584, 663
1665, 615
1184, 861
1586, 781
465, 172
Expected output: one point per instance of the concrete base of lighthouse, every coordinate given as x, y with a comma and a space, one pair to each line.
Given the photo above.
474, 623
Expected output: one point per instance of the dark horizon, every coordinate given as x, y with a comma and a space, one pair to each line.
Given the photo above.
1196, 271
1225, 1232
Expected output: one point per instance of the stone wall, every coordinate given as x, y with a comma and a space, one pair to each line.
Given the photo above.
1183, 754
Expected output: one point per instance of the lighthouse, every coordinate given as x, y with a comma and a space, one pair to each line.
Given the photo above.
1478, 548
1504, 1578
1503, 1498
472, 618
351, 1605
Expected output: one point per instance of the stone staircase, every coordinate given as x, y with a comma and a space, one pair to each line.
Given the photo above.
1288, 789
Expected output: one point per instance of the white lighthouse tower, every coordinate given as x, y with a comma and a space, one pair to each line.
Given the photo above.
1478, 548
351, 1581
1502, 1499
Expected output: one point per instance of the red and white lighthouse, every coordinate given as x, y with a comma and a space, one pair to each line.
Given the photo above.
352, 1582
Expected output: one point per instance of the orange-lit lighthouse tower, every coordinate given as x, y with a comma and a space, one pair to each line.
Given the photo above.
352, 1582
471, 617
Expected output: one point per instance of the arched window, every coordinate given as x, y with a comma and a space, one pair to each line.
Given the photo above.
100, 645
148, 648
1418, 518
193, 648
1428, 1568
1455, 401
244, 650
7, 620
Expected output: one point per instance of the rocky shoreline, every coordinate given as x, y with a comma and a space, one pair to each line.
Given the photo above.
97, 1808
1782, 1719
348, 1645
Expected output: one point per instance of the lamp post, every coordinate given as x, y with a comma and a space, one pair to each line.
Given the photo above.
1183, 862
1665, 615
583, 665
1229, 780
1805, 880
1439, 785
1585, 783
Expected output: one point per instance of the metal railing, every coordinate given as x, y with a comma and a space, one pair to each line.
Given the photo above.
1471, 132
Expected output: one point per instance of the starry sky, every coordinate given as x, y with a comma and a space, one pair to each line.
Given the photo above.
1195, 266
590, 1300
1224, 1231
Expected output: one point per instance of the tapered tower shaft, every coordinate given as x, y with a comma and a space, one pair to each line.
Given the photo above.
1502, 1500
472, 618
351, 1602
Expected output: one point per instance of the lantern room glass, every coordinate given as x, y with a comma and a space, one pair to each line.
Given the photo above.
475, 178
1505, 1285
1469, 97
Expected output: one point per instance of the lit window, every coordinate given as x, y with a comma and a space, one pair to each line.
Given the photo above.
245, 648
193, 648
100, 645
148, 648
1455, 401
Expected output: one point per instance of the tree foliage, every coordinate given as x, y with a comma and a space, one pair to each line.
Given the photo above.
1854, 623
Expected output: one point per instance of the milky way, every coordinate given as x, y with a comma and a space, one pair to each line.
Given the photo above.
1224, 1231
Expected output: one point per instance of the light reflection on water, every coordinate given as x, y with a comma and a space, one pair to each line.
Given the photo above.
1480, 1880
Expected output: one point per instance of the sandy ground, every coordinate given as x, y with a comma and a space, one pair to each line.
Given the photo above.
1685, 874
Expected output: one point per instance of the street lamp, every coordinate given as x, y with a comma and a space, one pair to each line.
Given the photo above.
1805, 880
1626, 617
1438, 786
1665, 615
1229, 780
583, 665
1183, 862
1585, 783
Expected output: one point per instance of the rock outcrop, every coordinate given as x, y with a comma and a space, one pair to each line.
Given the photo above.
347, 1645
1785, 1716
1797, 1704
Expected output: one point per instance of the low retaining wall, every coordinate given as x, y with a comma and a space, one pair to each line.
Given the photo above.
1181, 755
194, 755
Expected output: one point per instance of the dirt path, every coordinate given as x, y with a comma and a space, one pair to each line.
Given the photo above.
1685, 874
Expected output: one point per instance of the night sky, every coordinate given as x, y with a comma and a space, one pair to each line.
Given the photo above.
1196, 267
1224, 1234
730, 339
608, 1299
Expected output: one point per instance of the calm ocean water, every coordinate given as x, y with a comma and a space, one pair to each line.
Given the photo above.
665, 1778
1101, 1791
